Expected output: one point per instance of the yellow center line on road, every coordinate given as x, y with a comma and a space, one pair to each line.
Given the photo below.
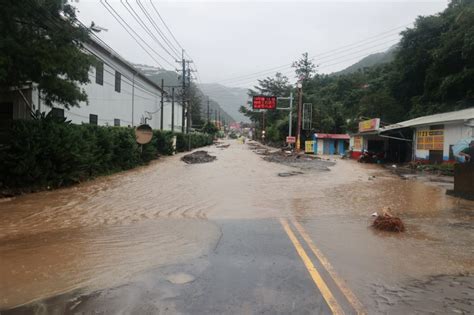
318, 280
350, 296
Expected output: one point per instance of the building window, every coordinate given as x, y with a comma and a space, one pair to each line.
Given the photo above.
116, 122
118, 81
99, 73
57, 112
93, 119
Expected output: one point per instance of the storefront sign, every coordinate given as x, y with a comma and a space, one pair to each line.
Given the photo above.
369, 125
357, 143
430, 140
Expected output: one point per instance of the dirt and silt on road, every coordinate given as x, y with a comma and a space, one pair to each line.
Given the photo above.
113, 232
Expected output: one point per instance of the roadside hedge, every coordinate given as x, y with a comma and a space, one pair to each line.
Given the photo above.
186, 142
50, 152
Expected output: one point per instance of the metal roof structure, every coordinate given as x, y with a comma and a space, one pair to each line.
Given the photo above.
332, 136
449, 117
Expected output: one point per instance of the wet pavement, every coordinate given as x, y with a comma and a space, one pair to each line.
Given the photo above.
232, 236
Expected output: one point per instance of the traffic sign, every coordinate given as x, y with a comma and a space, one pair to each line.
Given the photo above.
290, 139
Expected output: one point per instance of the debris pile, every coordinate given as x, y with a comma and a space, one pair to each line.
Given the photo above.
198, 157
388, 222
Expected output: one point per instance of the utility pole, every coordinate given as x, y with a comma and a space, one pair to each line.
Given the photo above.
161, 103
133, 99
183, 93
172, 109
290, 109
291, 114
189, 122
185, 76
208, 110
300, 105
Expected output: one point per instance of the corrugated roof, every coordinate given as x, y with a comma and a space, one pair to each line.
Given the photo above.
332, 136
460, 115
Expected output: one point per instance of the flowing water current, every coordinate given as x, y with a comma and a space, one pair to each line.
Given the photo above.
98, 234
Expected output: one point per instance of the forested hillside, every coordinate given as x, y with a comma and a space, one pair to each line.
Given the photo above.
197, 97
432, 72
370, 61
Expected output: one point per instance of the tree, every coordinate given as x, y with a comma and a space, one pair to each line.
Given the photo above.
195, 102
42, 43
275, 120
210, 128
304, 68
434, 68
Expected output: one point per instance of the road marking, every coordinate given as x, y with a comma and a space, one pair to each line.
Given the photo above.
318, 280
350, 296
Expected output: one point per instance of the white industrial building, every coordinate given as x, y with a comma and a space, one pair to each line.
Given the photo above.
118, 95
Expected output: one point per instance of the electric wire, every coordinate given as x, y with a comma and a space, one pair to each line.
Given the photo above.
322, 64
122, 23
157, 28
142, 24
331, 52
166, 26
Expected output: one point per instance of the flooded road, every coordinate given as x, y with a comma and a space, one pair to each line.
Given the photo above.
210, 223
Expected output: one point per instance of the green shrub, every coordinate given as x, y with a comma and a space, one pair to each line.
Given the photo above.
185, 142
51, 152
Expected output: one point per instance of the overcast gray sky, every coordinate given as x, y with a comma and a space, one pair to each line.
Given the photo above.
231, 40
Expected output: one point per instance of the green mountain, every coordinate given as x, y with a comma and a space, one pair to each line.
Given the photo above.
171, 78
229, 98
370, 60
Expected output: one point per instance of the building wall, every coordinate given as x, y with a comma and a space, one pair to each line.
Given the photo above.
452, 134
109, 104
320, 146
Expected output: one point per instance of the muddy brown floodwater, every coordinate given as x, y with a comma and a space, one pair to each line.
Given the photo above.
98, 234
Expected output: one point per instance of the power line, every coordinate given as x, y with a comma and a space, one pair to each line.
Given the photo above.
142, 24
287, 73
392, 41
118, 18
156, 27
164, 23
337, 50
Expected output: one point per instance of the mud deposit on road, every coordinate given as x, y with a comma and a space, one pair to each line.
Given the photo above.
301, 161
95, 236
198, 157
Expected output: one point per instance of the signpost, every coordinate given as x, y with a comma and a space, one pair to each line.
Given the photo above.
264, 102
143, 134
